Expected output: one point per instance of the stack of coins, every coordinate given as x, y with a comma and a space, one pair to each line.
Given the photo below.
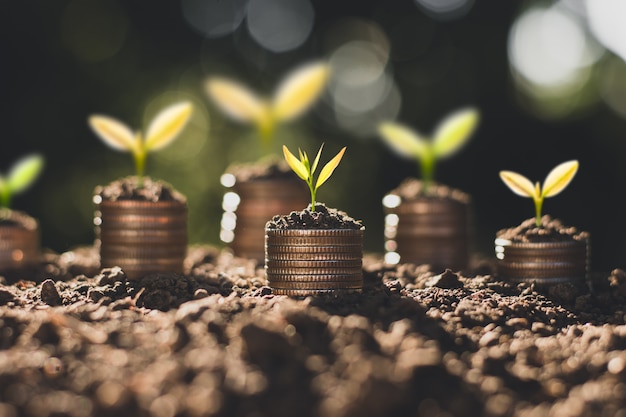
19, 246
433, 231
259, 201
543, 263
301, 262
142, 237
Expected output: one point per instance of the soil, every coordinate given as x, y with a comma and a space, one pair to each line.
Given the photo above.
16, 218
267, 168
128, 188
322, 218
550, 230
413, 188
216, 341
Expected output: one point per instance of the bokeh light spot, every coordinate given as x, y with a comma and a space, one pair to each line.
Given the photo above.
606, 21
445, 9
214, 18
94, 30
280, 25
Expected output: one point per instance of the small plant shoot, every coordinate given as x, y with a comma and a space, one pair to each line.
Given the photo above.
303, 168
295, 94
162, 130
450, 135
21, 175
555, 182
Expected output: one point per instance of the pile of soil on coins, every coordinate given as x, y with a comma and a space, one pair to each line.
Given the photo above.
215, 341
413, 188
550, 230
322, 218
270, 167
130, 188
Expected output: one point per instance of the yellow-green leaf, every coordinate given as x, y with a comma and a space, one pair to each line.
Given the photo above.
518, 183
297, 166
454, 131
328, 169
24, 172
403, 140
299, 90
559, 178
166, 126
113, 132
237, 101
317, 159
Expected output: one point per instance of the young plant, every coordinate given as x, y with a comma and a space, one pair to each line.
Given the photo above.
20, 176
162, 130
294, 95
303, 168
451, 134
555, 182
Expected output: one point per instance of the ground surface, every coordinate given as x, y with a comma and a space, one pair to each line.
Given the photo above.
87, 342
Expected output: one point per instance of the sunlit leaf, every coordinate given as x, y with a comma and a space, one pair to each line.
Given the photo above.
317, 159
113, 132
328, 169
24, 172
297, 166
559, 178
166, 126
299, 90
237, 101
453, 132
518, 183
403, 139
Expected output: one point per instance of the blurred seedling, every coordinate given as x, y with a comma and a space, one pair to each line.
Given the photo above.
555, 182
294, 95
450, 135
162, 130
19, 178
303, 168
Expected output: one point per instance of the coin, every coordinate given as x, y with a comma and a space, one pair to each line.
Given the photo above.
313, 292
322, 264
316, 285
315, 277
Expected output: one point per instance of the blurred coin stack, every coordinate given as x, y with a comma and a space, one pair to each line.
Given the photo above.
142, 237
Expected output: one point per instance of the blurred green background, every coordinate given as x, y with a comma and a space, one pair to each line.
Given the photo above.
549, 79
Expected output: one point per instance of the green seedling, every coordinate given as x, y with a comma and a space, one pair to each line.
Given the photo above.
303, 168
555, 182
162, 130
20, 176
451, 134
295, 94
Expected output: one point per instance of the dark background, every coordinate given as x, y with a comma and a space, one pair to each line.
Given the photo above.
64, 60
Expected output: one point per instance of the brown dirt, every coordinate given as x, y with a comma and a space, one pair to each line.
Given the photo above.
216, 341
322, 218
412, 188
550, 230
16, 218
270, 167
127, 188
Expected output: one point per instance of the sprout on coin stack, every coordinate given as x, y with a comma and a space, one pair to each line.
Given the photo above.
141, 222
542, 250
318, 249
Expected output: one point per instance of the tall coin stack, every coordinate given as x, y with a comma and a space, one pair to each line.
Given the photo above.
301, 262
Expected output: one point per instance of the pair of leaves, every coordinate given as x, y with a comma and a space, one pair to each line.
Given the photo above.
452, 133
162, 130
303, 168
293, 96
20, 176
555, 182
